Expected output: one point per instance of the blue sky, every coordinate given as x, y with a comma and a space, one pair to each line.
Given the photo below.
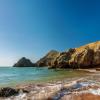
33, 27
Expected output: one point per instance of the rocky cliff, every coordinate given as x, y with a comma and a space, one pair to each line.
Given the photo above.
24, 62
86, 56
48, 59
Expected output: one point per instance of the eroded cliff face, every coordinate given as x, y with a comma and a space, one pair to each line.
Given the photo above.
48, 59
87, 56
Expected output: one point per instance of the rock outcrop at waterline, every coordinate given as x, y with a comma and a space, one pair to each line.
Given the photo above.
48, 59
87, 56
24, 62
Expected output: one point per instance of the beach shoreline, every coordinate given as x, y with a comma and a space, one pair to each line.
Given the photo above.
59, 90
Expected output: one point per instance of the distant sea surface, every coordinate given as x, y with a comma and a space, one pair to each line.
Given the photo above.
13, 75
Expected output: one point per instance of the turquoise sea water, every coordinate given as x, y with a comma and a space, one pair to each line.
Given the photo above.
12, 75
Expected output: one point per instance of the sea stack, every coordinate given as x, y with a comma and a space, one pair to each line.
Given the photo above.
24, 62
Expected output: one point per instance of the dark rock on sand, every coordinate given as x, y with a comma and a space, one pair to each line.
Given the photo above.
24, 62
6, 92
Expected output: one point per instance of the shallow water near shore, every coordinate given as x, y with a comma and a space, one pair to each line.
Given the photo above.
11, 76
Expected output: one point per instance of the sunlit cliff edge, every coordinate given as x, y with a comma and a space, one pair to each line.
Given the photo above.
87, 56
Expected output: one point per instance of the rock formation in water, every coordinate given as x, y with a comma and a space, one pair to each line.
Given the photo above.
87, 56
24, 62
48, 59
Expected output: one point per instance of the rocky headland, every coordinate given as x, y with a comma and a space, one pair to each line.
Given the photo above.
48, 59
87, 56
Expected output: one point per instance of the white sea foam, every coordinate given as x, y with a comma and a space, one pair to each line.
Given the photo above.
95, 91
